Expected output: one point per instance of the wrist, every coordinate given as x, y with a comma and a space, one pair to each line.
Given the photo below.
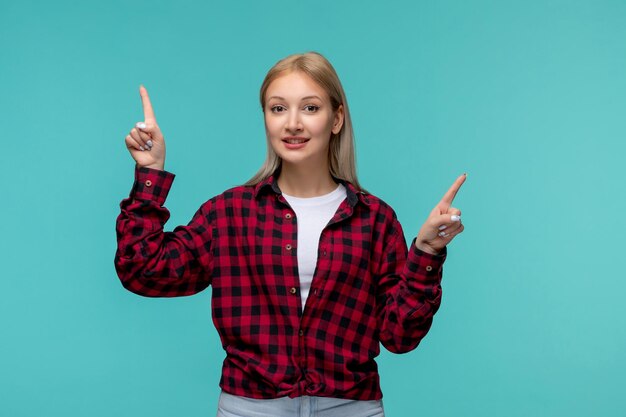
160, 167
426, 248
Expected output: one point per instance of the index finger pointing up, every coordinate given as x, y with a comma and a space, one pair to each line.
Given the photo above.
148, 112
451, 193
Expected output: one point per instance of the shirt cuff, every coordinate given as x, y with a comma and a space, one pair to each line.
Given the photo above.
423, 265
151, 184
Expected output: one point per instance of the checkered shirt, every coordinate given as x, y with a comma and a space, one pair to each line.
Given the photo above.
367, 287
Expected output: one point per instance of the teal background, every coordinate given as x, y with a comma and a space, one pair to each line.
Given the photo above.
527, 97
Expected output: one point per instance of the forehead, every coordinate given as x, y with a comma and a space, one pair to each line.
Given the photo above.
295, 85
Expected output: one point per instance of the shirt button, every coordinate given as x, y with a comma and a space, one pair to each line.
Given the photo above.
288, 246
288, 216
293, 290
315, 291
301, 332
429, 268
148, 183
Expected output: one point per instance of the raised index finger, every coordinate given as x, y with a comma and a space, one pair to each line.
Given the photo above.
148, 112
451, 193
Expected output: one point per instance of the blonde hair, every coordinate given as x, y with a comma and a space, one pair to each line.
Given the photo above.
341, 152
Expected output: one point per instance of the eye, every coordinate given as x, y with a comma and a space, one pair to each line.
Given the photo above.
311, 108
277, 108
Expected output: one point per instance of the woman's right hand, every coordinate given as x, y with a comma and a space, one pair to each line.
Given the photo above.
145, 142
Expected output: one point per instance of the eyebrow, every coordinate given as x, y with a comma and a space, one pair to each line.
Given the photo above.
303, 98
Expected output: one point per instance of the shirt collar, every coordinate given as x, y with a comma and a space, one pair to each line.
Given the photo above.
352, 194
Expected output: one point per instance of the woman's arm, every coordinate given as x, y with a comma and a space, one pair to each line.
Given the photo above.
149, 261
410, 284
155, 263
409, 292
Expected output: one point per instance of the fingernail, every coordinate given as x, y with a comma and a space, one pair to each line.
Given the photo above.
149, 143
141, 147
141, 125
455, 218
442, 234
442, 227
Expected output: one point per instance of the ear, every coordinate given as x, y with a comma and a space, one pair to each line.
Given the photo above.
338, 121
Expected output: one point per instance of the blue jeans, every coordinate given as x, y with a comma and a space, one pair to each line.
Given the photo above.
305, 406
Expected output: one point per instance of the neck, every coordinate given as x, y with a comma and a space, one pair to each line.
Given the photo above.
297, 181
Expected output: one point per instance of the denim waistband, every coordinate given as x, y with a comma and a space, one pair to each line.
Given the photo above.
305, 406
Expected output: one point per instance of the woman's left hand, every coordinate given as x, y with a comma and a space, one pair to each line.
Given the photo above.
443, 223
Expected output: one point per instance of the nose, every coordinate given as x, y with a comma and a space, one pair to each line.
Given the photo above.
293, 121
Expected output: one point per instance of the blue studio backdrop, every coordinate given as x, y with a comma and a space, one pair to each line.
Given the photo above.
527, 97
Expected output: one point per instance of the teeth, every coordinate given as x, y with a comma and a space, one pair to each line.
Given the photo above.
294, 141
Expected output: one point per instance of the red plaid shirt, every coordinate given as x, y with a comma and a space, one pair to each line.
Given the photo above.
366, 288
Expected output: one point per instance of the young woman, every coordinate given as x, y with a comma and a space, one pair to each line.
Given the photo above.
309, 272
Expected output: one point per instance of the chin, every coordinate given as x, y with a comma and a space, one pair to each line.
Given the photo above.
291, 159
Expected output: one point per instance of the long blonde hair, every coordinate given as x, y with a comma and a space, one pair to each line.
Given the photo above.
341, 152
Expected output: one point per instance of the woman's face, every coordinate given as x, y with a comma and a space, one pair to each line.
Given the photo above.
299, 120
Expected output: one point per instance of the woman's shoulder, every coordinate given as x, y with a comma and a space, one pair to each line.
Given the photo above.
229, 205
238, 192
233, 195
380, 214
371, 200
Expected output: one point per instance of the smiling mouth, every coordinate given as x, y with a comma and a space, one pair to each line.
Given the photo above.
295, 141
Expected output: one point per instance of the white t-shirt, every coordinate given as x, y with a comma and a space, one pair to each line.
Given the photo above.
312, 215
